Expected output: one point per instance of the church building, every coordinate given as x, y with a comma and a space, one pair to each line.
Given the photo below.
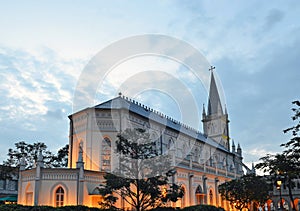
200, 160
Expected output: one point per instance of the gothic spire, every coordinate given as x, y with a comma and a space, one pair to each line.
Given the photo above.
214, 102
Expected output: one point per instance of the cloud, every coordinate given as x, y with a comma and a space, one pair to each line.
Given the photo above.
30, 82
274, 17
36, 92
259, 152
56, 114
259, 101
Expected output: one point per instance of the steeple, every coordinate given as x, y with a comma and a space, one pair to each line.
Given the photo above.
215, 121
233, 147
203, 112
239, 150
214, 102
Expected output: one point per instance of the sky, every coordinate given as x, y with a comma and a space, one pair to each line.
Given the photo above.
45, 47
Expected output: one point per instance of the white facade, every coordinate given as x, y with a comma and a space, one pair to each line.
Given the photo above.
201, 161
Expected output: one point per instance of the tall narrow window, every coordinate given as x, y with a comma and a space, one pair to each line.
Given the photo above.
59, 197
29, 198
183, 198
106, 154
211, 199
171, 144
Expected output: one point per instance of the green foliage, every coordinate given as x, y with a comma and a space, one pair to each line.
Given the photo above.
203, 208
138, 179
30, 153
61, 158
7, 172
17, 207
249, 188
164, 209
286, 165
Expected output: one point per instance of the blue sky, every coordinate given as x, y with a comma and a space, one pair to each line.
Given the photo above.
45, 45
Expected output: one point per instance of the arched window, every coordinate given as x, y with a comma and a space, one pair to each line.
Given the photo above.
211, 199
106, 154
59, 197
183, 198
29, 195
199, 195
171, 144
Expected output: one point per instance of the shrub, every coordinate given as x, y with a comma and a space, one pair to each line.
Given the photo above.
203, 208
164, 209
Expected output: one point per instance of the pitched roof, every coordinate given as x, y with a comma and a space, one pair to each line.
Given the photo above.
148, 113
214, 102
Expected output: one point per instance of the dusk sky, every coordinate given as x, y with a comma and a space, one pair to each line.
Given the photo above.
45, 46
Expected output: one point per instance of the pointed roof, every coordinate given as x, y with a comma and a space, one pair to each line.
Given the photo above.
214, 102
122, 102
203, 110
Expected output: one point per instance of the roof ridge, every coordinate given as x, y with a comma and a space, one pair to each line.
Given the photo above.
135, 102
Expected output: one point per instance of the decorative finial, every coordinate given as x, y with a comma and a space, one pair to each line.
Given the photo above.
40, 156
212, 68
80, 152
120, 94
80, 162
203, 110
22, 163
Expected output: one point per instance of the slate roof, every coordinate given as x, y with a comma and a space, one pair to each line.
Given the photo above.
214, 102
133, 106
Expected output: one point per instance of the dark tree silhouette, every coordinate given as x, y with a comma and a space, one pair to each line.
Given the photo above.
30, 153
61, 158
242, 191
139, 180
286, 164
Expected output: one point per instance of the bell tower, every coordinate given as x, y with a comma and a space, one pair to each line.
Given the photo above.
215, 120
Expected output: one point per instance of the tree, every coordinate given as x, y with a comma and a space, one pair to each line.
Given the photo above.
7, 172
292, 147
139, 179
242, 191
286, 164
30, 153
61, 158
281, 166
293, 150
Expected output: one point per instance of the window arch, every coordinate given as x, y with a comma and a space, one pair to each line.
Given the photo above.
29, 195
106, 154
59, 197
183, 198
171, 144
211, 197
199, 195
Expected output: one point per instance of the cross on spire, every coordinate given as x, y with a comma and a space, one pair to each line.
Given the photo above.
212, 68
